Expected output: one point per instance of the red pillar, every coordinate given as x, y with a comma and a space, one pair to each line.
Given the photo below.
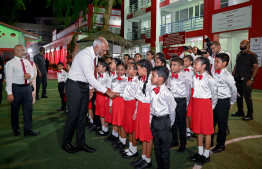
122, 17
153, 24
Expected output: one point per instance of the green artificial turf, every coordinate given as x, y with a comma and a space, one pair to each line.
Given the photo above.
44, 151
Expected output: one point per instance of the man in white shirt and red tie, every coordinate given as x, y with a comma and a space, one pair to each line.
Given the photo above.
19, 72
79, 90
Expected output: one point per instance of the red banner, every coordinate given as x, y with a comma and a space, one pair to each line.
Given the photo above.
174, 38
170, 51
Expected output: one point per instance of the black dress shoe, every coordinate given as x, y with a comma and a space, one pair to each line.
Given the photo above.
61, 109
137, 162
174, 144
69, 148
120, 146
65, 112
248, 117
86, 148
144, 164
218, 149
195, 157
109, 138
31, 133
129, 154
227, 131
202, 160
37, 98
181, 149
93, 128
44, 96
115, 143
102, 133
17, 133
238, 114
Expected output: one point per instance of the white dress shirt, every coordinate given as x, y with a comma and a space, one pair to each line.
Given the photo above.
212, 62
104, 80
83, 69
180, 87
130, 89
15, 73
189, 74
144, 98
162, 104
110, 79
118, 86
61, 77
226, 85
192, 54
205, 88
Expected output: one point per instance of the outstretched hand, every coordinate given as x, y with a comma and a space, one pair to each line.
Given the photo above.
111, 94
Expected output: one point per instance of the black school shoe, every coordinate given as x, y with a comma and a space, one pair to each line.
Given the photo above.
218, 149
137, 162
202, 160
238, 114
181, 149
125, 155
111, 138
248, 117
174, 144
144, 164
115, 143
120, 146
195, 157
102, 133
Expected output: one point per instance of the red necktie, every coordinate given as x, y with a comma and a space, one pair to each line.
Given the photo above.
186, 70
95, 68
23, 65
156, 89
200, 76
130, 79
101, 75
113, 73
143, 78
174, 75
119, 78
218, 71
59, 71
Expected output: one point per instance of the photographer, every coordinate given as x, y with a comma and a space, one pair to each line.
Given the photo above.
244, 73
193, 52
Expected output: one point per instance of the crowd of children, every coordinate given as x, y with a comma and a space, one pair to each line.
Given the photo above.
156, 99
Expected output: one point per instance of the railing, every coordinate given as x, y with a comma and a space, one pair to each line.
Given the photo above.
140, 34
138, 6
182, 25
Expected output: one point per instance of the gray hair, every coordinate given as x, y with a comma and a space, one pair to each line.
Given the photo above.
99, 41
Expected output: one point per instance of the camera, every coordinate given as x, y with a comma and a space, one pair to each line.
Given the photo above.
208, 49
187, 47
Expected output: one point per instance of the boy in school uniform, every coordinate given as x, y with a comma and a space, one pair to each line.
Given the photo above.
162, 115
180, 87
61, 77
227, 96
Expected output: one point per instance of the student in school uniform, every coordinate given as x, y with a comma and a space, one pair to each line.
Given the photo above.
150, 56
227, 96
180, 87
138, 57
130, 61
162, 115
161, 57
205, 100
126, 58
61, 77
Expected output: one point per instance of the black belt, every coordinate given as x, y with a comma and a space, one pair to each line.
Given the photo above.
161, 117
180, 98
21, 85
78, 81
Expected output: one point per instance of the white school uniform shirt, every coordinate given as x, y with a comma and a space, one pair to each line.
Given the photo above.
162, 104
192, 54
83, 67
212, 62
205, 88
180, 87
112, 76
15, 73
140, 96
226, 85
130, 89
61, 77
118, 86
190, 74
104, 79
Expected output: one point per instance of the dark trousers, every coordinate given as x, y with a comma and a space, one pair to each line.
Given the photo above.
1, 89
180, 121
96, 119
220, 115
77, 95
61, 87
22, 95
245, 91
161, 128
42, 80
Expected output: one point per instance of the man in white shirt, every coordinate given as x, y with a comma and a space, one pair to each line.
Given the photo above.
19, 72
79, 90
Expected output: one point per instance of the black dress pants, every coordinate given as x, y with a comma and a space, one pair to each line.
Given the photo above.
180, 121
40, 80
61, 87
1, 89
22, 95
161, 127
77, 95
96, 119
220, 115
245, 91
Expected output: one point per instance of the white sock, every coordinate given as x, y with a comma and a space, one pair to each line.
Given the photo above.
144, 157
134, 149
148, 160
124, 141
130, 144
105, 129
89, 116
116, 134
91, 121
113, 133
120, 138
200, 150
188, 130
206, 153
127, 150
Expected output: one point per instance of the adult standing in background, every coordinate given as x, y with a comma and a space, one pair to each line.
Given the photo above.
19, 72
81, 77
244, 73
2, 75
33, 80
47, 64
42, 76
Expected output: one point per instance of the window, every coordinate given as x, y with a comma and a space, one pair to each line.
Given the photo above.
183, 14
145, 49
177, 16
190, 12
223, 3
201, 9
197, 10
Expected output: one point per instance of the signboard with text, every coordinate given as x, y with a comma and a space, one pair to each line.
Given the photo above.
231, 20
174, 38
170, 51
256, 47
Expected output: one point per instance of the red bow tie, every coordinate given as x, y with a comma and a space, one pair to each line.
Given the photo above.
59, 71
174, 75
119, 78
143, 78
113, 73
130, 79
101, 75
218, 71
200, 76
156, 89
186, 70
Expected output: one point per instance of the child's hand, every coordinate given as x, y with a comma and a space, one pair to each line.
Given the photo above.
110, 109
118, 94
231, 107
134, 116
64, 90
94, 102
150, 125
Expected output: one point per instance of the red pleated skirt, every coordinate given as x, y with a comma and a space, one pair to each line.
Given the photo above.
128, 122
202, 118
90, 104
143, 132
118, 110
102, 104
190, 106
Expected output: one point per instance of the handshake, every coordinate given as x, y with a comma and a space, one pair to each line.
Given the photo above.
112, 94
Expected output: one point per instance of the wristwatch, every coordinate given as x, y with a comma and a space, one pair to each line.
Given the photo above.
252, 79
